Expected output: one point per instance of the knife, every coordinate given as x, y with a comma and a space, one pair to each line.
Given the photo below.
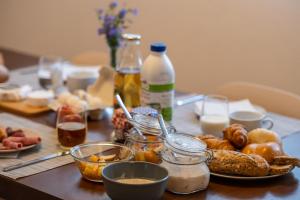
188, 99
34, 161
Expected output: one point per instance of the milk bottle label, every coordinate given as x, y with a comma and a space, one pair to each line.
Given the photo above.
159, 97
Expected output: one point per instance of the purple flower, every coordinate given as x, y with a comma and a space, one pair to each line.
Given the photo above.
113, 4
101, 31
113, 32
109, 20
122, 13
113, 22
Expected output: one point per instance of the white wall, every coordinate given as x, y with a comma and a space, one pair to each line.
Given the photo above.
209, 41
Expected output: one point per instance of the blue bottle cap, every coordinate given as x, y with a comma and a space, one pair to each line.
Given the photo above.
158, 47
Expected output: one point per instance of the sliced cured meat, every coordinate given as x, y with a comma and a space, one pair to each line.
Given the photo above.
18, 133
25, 140
31, 140
11, 144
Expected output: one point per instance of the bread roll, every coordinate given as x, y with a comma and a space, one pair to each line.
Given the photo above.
236, 163
267, 150
280, 169
261, 135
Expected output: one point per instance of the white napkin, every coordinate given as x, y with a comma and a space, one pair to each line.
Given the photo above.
241, 105
70, 68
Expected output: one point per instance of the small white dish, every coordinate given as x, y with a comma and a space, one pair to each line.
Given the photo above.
39, 98
80, 80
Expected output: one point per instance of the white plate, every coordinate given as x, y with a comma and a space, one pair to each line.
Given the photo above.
246, 177
17, 150
27, 133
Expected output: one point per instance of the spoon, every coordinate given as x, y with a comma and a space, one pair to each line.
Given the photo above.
128, 116
165, 132
162, 125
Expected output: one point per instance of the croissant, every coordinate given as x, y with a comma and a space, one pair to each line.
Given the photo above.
237, 135
213, 142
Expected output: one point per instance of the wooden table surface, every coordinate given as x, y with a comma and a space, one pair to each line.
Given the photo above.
66, 183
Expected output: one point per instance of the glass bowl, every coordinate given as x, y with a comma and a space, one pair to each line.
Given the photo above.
146, 149
91, 158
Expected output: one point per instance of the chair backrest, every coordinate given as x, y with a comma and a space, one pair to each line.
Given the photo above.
1, 59
91, 58
273, 99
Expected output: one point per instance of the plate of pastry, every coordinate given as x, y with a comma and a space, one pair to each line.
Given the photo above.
243, 155
15, 139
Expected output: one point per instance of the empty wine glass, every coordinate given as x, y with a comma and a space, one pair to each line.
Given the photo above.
214, 116
50, 72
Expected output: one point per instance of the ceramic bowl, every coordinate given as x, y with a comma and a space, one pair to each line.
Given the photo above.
134, 170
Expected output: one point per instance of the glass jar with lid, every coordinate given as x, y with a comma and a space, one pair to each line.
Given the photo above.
147, 147
185, 157
127, 81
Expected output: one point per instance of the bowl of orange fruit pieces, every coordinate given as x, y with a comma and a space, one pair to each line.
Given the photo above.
91, 158
147, 149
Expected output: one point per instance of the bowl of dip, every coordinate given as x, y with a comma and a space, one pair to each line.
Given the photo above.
135, 180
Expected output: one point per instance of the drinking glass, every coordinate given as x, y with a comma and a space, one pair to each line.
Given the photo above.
71, 126
214, 116
50, 72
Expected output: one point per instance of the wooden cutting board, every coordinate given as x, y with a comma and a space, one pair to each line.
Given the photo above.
22, 108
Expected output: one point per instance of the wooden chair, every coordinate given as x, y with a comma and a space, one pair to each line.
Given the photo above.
91, 58
1, 59
273, 99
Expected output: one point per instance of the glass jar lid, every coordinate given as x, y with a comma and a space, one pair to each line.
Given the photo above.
148, 124
185, 143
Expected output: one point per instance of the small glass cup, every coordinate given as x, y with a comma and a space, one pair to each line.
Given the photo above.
71, 126
214, 116
50, 72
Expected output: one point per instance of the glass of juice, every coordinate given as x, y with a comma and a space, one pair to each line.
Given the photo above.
71, 126
214, 116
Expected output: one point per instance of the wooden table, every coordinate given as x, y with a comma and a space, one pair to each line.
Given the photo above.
66, 183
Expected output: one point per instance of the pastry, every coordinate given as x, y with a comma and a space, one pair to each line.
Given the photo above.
286, 160
261, 135
280, 169
213, 142
237, 135
236, 163
267, 150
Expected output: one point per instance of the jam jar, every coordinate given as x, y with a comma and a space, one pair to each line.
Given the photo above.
185, 157
148, 146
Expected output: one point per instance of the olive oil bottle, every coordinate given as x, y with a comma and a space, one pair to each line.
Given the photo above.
127, 81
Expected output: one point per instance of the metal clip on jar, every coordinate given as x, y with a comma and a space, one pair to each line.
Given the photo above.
185, 157
149, 147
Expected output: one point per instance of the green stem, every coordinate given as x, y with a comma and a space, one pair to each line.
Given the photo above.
113, 57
